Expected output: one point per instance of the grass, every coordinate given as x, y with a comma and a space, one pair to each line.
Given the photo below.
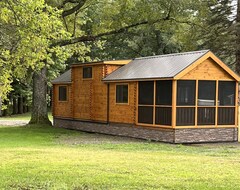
42, 157
25, 117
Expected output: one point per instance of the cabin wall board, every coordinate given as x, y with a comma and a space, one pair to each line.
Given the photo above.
62, 108
107, 69
207, 70
90, 95
123, 113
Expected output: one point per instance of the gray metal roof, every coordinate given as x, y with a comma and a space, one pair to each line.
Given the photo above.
64, 78
161, 66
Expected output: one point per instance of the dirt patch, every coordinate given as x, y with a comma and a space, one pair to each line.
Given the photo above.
94, 138
13, 122
217, 145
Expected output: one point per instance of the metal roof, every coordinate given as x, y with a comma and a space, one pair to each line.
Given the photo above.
64, 78
161, 66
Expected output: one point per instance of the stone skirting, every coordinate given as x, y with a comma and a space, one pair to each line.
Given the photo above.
206, 135
196, 135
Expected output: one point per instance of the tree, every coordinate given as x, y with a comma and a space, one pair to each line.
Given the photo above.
28, 28
238, 38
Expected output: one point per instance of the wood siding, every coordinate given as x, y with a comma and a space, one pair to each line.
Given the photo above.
90, 95
62, 108
90, 100
207, 70
123, 113
107, 69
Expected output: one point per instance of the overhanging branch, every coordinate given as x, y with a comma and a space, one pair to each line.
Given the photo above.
95, 37
74, 9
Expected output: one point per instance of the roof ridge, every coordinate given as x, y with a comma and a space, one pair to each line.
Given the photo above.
172, 54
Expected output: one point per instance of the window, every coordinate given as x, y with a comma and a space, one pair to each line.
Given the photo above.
163, 107
145, 101
164, 92
146, 92
206, 93
206, 102
87, 72
226, 93
186, 92
62, 93
226, 98
122, 93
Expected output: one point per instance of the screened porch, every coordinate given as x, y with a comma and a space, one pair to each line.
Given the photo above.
187, 103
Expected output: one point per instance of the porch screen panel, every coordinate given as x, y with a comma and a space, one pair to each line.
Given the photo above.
226, 97
164, 92
146, 90
145, 102
226, 116
145, 114
186, 93
226, 93
185, 116
206, 102
206, 93
163, 116
206, 116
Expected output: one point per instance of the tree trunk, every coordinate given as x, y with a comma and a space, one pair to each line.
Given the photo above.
15, 106
39, 106
0, 106
238, 39
24, 104
20, 104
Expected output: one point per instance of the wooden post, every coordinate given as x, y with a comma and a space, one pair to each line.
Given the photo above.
174, 102
137, 104
154, 102
196, 103
216, 105
236, 105
236, 109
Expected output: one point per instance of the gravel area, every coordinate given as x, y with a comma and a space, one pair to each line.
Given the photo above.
13, 122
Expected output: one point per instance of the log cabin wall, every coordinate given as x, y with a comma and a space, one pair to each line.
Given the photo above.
62, 108
126, 112
90, 95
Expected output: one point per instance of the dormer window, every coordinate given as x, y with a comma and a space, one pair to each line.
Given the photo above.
87, 72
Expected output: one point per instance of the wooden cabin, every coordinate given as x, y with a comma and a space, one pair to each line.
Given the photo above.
178, 98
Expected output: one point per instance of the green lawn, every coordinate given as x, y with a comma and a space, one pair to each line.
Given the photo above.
34, 157
25, 116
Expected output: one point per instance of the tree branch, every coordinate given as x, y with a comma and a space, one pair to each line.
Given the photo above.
95, 37
74, 9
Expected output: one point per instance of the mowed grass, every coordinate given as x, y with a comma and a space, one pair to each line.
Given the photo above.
42, 157
25, 117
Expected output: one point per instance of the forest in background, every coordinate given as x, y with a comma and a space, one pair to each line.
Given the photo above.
41, 38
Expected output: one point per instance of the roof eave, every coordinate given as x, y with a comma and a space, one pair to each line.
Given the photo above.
61, 82
137, 79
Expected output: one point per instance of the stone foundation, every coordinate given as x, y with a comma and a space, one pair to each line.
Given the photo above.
157, 134
206, 135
